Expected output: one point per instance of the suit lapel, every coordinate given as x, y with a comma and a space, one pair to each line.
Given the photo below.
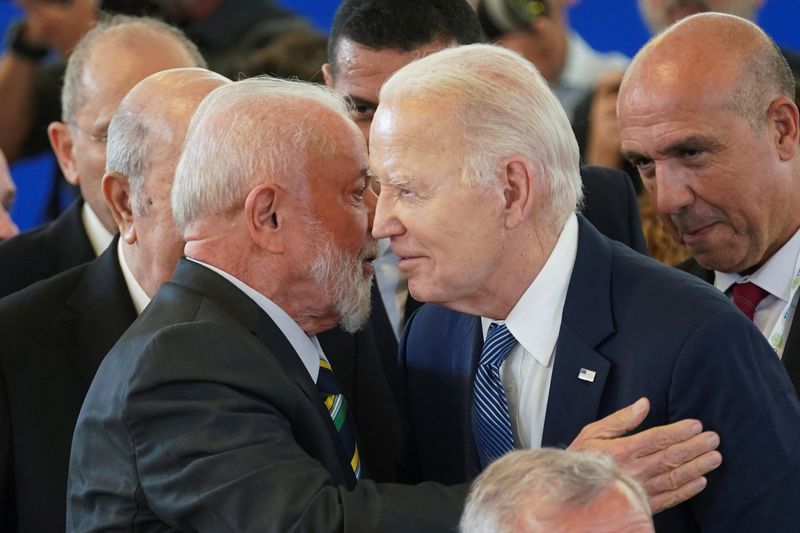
97, 313
245, 311
67, 240
574, 398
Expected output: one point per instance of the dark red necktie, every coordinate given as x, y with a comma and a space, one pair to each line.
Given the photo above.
747, 296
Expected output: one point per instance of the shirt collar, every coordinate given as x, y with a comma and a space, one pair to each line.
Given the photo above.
774, 276
99, 236
138, 296
307, 347
535, 320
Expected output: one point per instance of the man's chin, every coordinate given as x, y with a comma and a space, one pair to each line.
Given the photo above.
721, 262
354, 323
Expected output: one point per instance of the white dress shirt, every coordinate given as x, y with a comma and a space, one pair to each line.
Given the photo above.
139, 297
307, 347
99, 236
775, 277
535, 321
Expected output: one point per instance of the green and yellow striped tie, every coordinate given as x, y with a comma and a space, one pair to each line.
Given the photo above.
337, 407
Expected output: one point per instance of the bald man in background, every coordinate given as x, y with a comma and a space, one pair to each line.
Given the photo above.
716, 144
55, 333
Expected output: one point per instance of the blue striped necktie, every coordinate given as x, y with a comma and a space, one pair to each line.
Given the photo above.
491, 422
337, 407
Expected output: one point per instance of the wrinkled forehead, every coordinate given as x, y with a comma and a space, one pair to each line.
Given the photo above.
417, 122
678, 81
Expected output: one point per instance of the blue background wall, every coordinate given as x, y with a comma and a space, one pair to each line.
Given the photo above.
606, 24
609, 24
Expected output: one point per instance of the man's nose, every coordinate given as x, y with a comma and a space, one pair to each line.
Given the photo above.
670, 191
386, 224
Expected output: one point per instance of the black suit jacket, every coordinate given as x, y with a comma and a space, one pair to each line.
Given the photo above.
203, 418
44, 252
791, 351
610, 204
53, 336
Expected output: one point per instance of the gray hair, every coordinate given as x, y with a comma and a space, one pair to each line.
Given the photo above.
127, 149
507, 108
529, 480
248, 132
136, 29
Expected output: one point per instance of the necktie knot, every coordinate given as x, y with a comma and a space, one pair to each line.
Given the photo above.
499, 342
747, 296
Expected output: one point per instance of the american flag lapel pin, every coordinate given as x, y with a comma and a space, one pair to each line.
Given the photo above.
587, 375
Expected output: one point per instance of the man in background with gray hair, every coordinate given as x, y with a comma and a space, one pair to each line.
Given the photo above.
110, 59
543, 325
555, 491
55, 333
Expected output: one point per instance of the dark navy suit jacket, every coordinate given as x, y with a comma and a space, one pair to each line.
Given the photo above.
791, 351
646, 330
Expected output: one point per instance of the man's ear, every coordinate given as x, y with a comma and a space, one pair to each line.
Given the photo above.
783, 120
327, 75
116, 193
63, 146
265, 222
519, 180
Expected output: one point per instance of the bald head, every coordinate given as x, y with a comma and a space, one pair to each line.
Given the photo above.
742, 68
145, 139
152, 120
